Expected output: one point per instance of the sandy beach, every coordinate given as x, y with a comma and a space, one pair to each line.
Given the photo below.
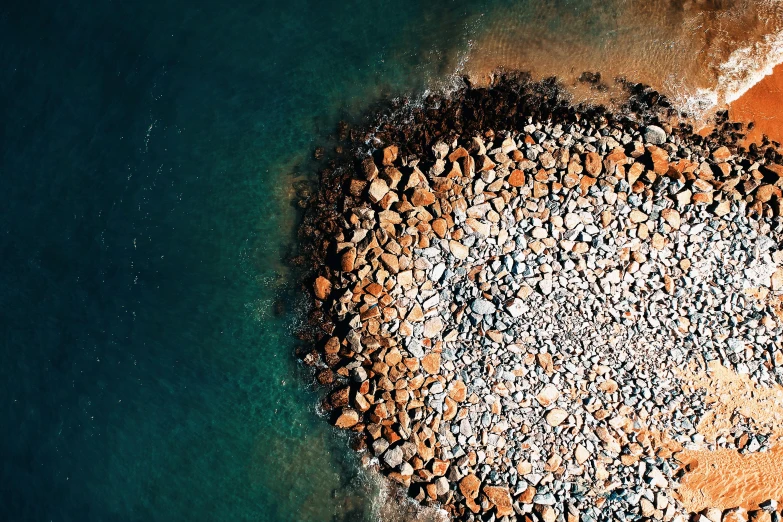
762, 105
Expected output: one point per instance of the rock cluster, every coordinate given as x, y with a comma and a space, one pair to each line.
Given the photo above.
511, 314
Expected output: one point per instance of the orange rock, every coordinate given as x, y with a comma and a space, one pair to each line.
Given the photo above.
765, 192
458, 153
439, 226
347, 419
501, 498
332, 345
348, 259
672, 217
540, 189
570, 180
545, 362
635, 172
431, 363
585, 183
593, 164
517, 178
390, 154
721, 154
450, 410
440, 467
484, 163
322, 287
391, 262
422, 197
469, 486
458, 391
527, 496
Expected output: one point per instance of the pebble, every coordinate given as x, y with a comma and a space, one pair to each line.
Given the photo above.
509, 330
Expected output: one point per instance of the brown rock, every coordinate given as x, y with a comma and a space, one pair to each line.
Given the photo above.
721, 154
433, 327
581, 454
348, 259
440, 467
501, 498
593, 164
658, 241
527, 496
548, 395
450, 409
370, 169
668, 284
325, 377
701, 185
458, 153
458, 250
660, 159
570, 180
553, 463
484, 163
637, 216
390, 154
585, 183
431, 363
540, 189
378, 189
469, 486
704, 198
422, 197
347, 419
458, 390
391, 262
776, 279
545, 362
765, 192
340, 398
556, 416
332, 345
517, 178
547, 513
440, 227
322, 287
672, 217
642, 232
723, 208
634, 172
608, 386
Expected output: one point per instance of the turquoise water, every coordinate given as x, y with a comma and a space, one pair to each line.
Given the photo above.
148, 152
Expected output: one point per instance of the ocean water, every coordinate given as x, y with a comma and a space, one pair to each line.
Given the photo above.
148, 152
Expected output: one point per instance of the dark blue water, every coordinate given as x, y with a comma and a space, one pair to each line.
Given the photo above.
147, 153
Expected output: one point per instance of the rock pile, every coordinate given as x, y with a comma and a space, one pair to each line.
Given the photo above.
510, 317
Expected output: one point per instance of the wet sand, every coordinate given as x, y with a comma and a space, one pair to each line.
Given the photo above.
763, 105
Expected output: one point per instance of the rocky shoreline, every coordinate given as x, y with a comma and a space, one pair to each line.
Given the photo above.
516, 300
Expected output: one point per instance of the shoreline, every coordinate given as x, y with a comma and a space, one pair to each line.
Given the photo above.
762, 104
434, 193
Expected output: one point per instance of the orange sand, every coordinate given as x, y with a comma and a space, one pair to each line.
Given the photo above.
763, 105
724, 479
730, 397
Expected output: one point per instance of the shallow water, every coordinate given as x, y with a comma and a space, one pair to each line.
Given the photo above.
702, 54
146, 309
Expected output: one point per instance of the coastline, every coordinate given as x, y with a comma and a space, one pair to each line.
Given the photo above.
762, 104
352, 310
